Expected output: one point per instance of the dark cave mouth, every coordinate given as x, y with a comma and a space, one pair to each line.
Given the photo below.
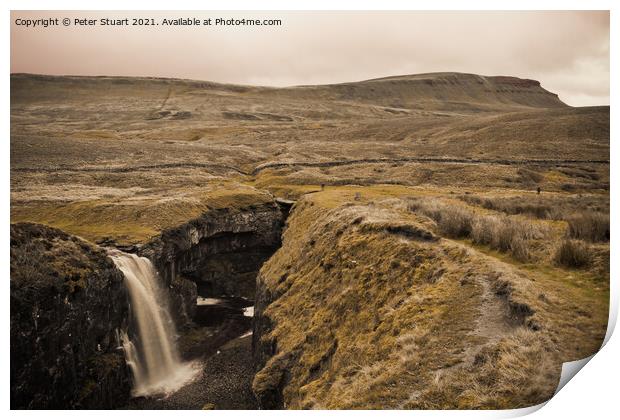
224, 268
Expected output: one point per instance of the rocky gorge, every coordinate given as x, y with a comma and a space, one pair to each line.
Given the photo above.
69, 306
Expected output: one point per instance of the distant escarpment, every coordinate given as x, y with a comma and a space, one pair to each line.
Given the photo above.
216, 254
445, 91
68, 303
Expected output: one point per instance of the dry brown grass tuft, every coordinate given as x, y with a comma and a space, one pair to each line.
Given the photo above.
573, 254
590, 226
543, 206
452, 221
513, 205
506, 234
502, 233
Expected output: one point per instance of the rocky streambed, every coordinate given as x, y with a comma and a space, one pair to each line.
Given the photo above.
221, 339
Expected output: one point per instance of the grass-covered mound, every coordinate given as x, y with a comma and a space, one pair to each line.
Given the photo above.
366, 305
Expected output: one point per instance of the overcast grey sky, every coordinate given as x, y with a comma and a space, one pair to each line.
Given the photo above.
568, 52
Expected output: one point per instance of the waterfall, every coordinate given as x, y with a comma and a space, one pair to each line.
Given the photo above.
151, 352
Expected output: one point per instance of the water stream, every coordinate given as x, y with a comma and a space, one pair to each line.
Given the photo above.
150, 348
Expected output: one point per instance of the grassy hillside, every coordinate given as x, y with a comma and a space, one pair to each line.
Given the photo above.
372, 305
78, 143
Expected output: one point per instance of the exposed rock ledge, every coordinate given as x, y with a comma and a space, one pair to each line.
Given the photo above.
218, 253
67, 303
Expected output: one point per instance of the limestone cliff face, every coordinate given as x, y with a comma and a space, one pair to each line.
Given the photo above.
216, 254
67, 303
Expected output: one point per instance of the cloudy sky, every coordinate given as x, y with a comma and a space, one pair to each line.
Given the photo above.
568, 52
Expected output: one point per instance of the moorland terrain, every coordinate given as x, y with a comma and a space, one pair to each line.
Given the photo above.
444, 237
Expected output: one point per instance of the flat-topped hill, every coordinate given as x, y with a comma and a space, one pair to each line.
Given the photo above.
446, 91
449, 91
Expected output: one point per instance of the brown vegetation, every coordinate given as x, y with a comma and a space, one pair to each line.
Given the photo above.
447, 326
573, 254
502, 233
547, 206
591, 226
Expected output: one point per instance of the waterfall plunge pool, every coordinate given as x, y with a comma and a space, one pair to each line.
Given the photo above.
202, 363
150, 343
